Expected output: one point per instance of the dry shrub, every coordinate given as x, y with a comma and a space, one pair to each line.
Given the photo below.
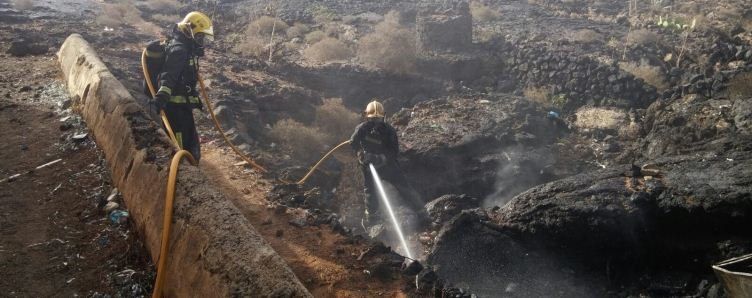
328, 49
333, 117
297, 30
641, 37
264, 26
305, 142
390, 46
257, 39
332, 30
740, 87
652, 75
164, 6
483, 13
165, 19
115, 15
315, 36
541, 95
729, 13
586, 36
23, 4
600, 118
322, 14
253, 46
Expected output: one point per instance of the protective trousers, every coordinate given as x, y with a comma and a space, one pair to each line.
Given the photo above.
391, 173
181, 120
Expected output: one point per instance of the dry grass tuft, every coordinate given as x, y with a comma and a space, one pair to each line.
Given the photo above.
390, 46
641, 38
315, 36
304, 141
264, 25
740, 86
541, 95
334, 118
22, 4
483, 13
297, 30
586, 36
328, 49
600, 118
125, 14
652, 75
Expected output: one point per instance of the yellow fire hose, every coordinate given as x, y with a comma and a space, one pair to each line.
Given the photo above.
167, 219
303, 180
170, 194
170, 133
175, 164
221, 131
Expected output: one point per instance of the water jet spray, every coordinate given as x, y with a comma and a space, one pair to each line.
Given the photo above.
384, 198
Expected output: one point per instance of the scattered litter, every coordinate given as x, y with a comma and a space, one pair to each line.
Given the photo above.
119, 216
113, 195
70, 280
56, 188
108, 29
46, 242
66, 118
553, 115
238, 164
13, 177
80, 137
111, 206
650, 170
729, 159
484, 101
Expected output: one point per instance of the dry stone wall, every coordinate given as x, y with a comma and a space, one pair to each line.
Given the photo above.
214, 249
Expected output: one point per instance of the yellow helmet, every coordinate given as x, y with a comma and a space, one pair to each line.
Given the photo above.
199, 22
374, 109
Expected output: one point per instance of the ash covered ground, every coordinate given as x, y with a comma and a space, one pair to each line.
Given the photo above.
582, 148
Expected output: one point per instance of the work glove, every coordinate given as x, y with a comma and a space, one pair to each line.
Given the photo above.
361, 156
160, 100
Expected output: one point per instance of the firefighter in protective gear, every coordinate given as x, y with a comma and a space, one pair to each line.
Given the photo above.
375, 142
177, 94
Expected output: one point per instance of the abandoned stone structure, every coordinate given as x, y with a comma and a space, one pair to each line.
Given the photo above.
444, 30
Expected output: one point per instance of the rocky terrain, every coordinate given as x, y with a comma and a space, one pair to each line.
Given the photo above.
563, 148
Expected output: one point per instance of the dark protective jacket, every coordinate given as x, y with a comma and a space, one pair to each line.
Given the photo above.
180, 71
376, 136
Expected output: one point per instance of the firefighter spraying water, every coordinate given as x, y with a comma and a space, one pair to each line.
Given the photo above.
377, 147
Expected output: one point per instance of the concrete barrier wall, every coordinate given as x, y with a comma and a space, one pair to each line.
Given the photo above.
214, 251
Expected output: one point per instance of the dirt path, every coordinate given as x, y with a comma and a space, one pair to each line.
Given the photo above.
325, 261
56, 240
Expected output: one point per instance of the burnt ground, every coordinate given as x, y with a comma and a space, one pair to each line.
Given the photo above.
56, 238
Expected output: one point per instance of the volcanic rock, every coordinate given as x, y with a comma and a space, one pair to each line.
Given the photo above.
462, 143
